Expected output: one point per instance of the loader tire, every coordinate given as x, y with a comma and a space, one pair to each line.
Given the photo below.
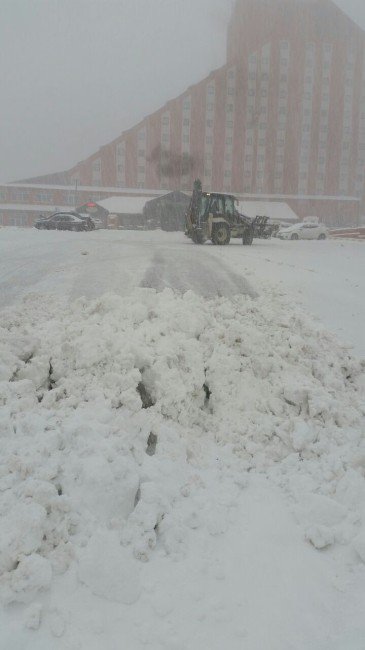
197, 238
221, 234
247, 238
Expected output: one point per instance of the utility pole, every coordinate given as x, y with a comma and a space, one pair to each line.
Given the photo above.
75, 194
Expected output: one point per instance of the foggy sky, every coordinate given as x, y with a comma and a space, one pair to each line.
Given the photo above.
76, 73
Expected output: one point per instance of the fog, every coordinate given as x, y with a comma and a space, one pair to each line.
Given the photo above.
76, 73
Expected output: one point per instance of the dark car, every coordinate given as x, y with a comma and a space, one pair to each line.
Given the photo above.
65, 221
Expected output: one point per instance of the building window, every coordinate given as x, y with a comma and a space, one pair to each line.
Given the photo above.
44, 197
18, 219
19, 195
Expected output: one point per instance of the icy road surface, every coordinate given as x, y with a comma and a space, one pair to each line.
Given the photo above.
328, 277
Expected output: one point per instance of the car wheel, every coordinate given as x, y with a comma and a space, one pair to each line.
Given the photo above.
221, 234
294, 236
322, 236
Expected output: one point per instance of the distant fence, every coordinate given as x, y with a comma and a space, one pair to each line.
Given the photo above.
348, 233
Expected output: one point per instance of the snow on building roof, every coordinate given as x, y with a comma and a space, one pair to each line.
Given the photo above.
30, 207
276, 210
84, 188
125, 204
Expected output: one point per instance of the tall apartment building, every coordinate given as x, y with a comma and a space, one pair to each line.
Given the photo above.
284, 118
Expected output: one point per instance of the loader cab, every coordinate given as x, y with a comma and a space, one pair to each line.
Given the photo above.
222, 205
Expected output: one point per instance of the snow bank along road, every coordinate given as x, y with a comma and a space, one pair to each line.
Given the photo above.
183, 457
328, 278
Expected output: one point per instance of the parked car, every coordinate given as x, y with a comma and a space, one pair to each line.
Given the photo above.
64, 221
304, 230
96, 221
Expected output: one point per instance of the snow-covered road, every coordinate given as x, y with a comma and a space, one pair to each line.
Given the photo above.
328, 278
182, 445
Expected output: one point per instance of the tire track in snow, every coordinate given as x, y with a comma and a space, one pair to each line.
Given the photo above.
183, 271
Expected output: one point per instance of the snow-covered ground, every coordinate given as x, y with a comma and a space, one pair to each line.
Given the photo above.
183, 455
327, 278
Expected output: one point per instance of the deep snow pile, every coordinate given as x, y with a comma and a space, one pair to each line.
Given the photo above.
123, 421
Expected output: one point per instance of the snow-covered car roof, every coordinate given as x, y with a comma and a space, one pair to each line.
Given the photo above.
65, 214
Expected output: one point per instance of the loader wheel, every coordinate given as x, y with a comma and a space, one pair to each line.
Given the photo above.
197, 237
294, 236
221, 234
247, 238
322, 236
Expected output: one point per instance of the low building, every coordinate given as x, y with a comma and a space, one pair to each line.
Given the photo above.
24, 215
22, 203
125, 212
167, 212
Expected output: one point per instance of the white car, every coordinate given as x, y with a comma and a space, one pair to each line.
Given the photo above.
306, 230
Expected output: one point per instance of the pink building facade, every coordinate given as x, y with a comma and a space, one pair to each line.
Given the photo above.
283, 119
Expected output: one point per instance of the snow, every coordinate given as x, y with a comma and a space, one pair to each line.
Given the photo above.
31, 207
275, 210
108, 570
125, 204
84, 188
183, 457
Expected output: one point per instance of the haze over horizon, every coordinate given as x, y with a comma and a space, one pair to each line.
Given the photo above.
76, 73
